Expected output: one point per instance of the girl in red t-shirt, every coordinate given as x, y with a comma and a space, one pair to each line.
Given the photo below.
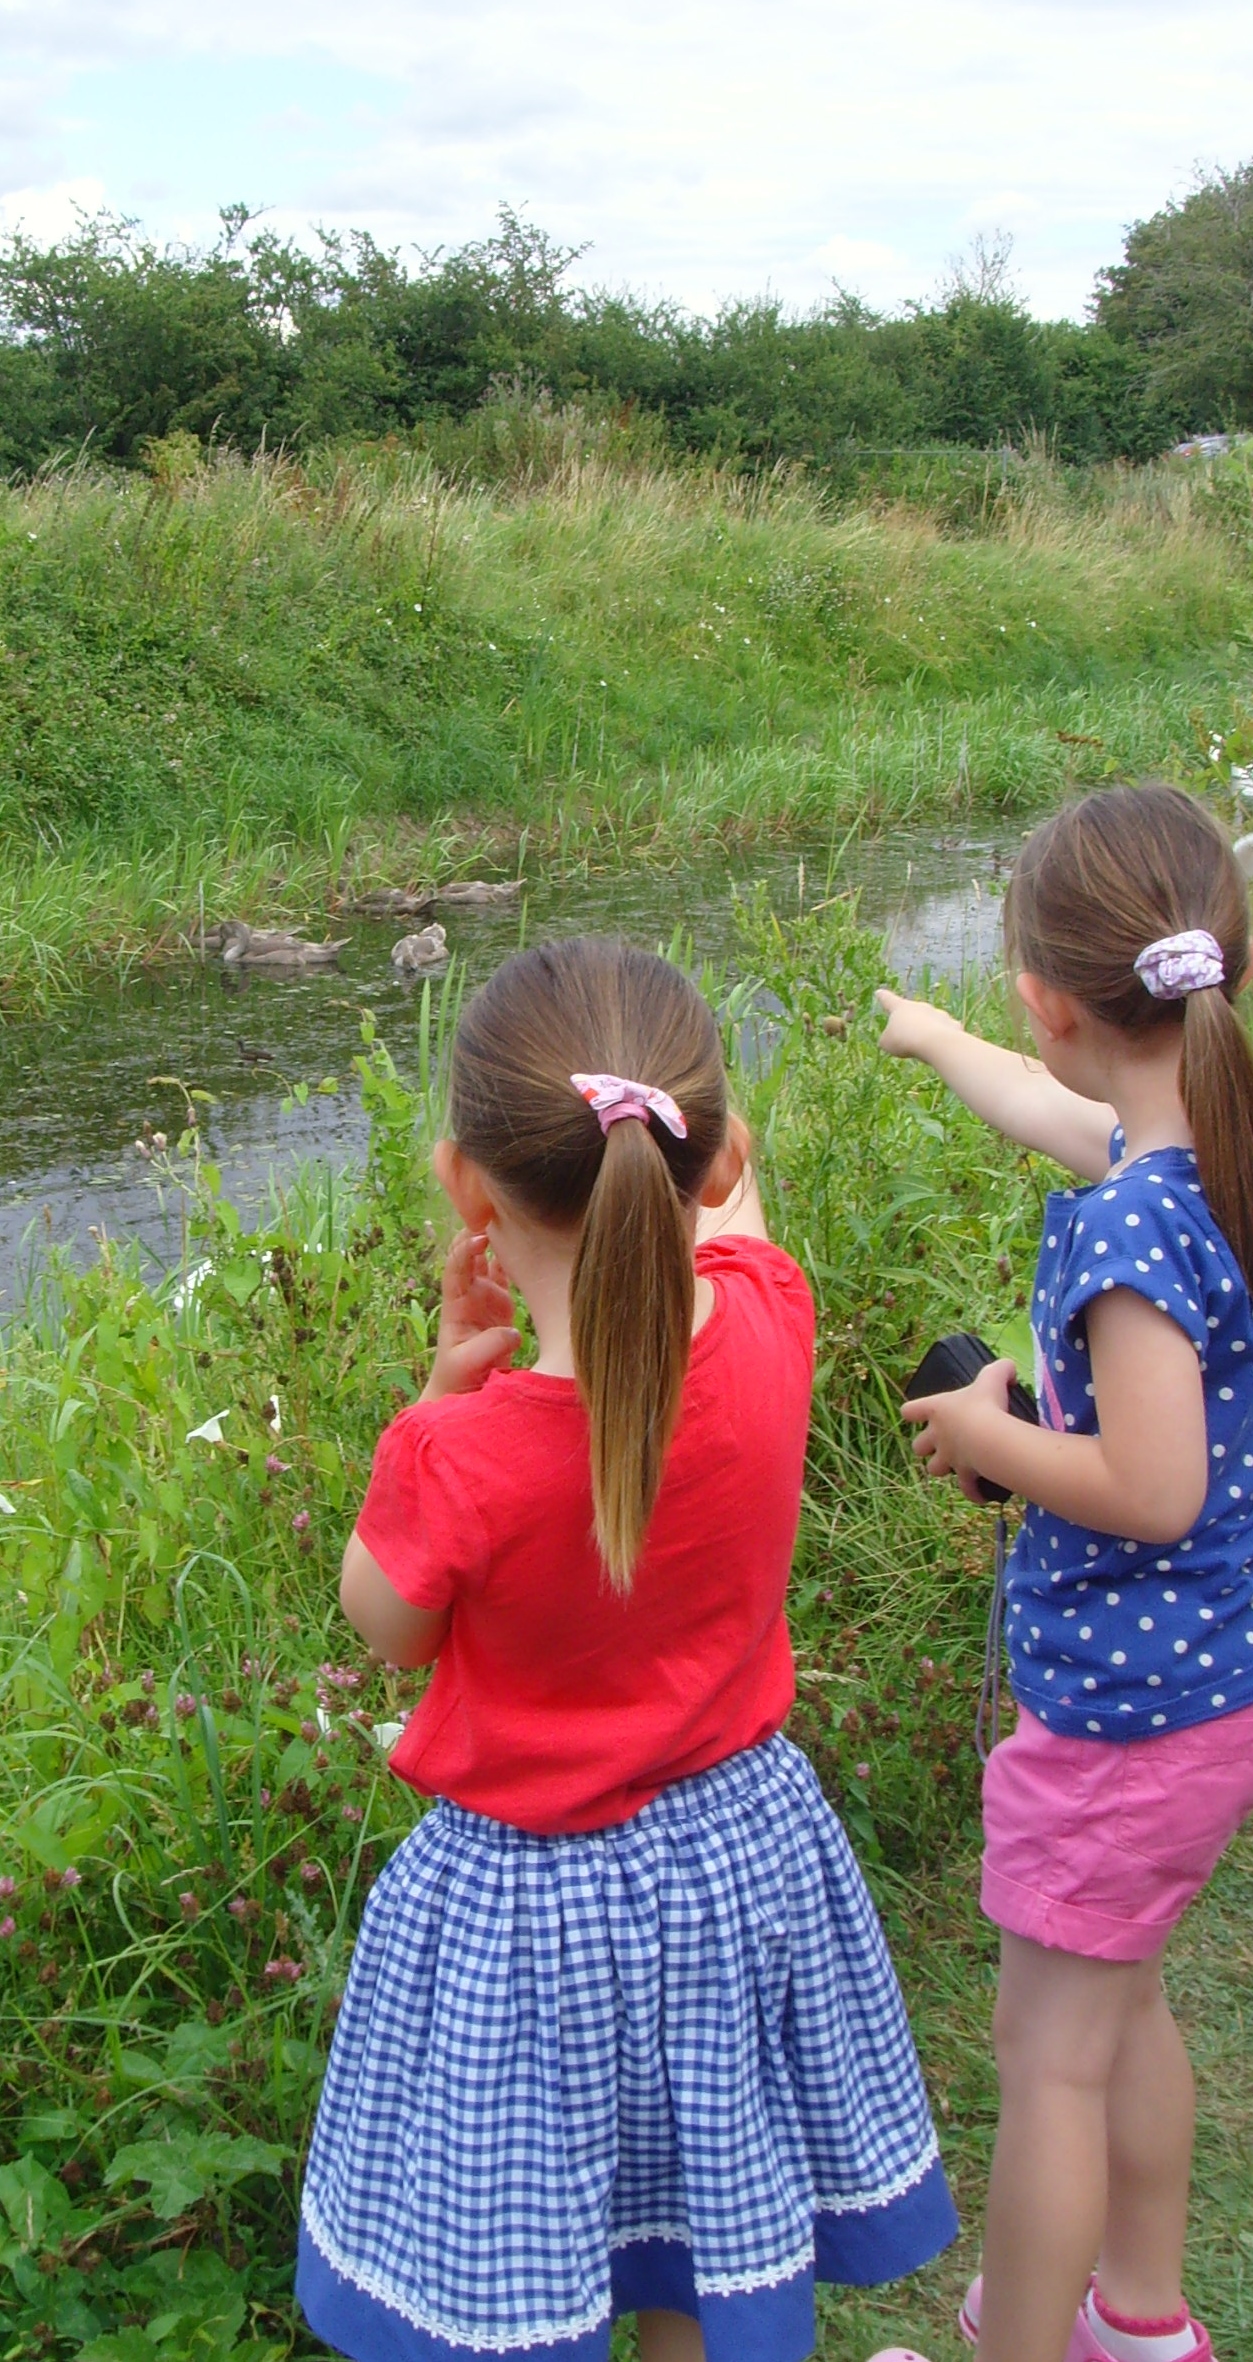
621, 2034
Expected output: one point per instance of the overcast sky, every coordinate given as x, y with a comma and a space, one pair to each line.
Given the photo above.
704, 148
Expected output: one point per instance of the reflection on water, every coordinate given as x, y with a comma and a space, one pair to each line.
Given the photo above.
76, 1088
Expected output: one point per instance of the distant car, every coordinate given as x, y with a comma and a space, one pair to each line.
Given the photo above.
1208, 446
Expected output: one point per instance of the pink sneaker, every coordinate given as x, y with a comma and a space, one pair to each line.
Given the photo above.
1080, 2349
1085, 2345
1092, 2350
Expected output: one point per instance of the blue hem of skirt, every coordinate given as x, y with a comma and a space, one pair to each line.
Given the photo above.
771, 2324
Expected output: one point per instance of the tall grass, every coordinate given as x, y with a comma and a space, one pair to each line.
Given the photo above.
191, 1791
272, 679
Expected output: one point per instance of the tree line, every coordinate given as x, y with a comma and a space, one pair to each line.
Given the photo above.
111, 340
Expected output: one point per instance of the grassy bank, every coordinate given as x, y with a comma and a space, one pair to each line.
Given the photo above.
193, 1797
270, 680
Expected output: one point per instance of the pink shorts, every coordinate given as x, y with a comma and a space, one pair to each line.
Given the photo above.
1097, 1846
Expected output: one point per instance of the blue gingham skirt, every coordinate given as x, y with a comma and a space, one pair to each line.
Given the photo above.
664, 2064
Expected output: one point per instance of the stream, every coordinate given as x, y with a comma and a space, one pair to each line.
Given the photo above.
76, 1087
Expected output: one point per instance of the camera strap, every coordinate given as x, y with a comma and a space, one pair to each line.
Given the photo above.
988, 1718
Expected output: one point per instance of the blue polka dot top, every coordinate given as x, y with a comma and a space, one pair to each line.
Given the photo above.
1110, 1637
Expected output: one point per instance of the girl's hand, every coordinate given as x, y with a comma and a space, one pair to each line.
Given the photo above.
476, 1331
950, 1424
911, 1026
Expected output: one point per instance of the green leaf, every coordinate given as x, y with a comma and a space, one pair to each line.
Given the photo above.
55, 2125
1015, 1342
180, 2173
121, 2345
32, 2199
241, 1279
42, 1833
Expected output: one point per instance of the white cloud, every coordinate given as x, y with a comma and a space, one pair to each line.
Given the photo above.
708, 147
49, 213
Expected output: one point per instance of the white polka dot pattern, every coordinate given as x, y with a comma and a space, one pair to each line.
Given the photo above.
1166, 1637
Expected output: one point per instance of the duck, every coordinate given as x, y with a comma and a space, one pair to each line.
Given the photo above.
479, 890
253, 947
414, 953
392, 902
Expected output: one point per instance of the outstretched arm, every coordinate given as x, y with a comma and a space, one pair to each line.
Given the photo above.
1016, 1094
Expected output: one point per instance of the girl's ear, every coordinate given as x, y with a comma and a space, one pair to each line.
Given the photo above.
727, 1169
1054, 1014
465, 1184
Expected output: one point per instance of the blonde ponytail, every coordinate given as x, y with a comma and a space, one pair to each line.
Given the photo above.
631, 1327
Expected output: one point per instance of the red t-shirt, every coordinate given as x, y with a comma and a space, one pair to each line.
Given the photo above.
555, 1704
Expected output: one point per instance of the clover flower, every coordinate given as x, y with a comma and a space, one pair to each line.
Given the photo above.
276, 1467
8, 1927
283, 1969
8, 1886
71, 1877
300, 1522
184, 1705
189, 1906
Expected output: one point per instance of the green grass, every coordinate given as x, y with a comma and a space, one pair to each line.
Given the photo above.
189, 1852
270, 681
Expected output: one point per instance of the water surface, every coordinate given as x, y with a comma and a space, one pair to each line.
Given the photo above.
76, 1088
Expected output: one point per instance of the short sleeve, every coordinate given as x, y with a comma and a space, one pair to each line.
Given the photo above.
418, 1520
768, 1278
1137, 1233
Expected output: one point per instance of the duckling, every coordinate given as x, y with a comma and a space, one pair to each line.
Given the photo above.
392, 902
251, 947
414, 953
478, 890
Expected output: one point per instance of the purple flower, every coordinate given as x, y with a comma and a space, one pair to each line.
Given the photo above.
147, 1681
8, 1886
265, 1796
71, 1877
283, 1968
184, 1705
276, 1467
8, 1927
237, 1907
308, 1730
351, 1812
300, 1522
189, 1906
861, 1771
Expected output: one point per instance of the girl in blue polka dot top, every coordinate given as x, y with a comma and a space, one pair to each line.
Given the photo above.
1130, 1592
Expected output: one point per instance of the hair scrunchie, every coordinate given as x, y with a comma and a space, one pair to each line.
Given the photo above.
612, 1096
1176, 965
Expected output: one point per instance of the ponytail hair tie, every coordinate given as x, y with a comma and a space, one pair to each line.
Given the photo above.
611, 1097
1179, 964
